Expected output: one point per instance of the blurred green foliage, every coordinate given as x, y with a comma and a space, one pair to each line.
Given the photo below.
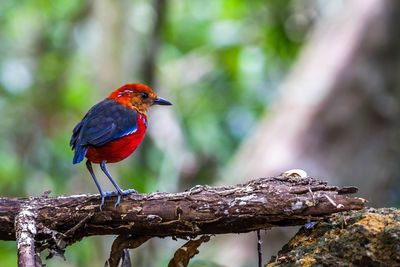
218, 61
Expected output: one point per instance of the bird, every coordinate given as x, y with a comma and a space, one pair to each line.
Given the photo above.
112, 130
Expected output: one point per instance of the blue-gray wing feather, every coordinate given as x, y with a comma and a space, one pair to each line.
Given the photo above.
104, 122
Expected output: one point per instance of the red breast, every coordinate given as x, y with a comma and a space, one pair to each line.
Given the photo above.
120, 148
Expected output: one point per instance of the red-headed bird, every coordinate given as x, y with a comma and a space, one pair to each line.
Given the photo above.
112, 129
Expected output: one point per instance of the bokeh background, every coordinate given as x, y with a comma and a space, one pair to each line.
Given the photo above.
258, 87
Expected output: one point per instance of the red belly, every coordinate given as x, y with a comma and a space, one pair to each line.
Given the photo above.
117, 149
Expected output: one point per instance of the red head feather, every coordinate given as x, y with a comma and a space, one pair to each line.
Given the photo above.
134, 96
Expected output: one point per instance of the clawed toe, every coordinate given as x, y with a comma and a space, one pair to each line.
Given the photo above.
118, 201
127, 192
110, 194
123, 193
118, 194
102, 203
104, 195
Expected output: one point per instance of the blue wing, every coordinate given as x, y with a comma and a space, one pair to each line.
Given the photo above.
104, 122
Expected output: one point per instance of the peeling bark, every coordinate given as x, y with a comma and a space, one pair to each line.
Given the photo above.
258, 204
120, 246
183, 255
25, 231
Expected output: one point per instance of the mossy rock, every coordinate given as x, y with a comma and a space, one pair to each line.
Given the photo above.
369, 237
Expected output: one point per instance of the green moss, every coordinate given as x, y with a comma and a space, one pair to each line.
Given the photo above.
368, 237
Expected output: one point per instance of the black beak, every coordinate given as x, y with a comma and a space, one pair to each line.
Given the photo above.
160, 101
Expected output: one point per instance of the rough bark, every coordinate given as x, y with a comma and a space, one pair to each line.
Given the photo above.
258, 204
25, 229
368, 237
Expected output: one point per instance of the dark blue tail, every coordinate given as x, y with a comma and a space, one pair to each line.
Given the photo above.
80, 152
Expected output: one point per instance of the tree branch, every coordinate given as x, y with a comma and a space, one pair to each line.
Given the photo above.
258, 204
25, 228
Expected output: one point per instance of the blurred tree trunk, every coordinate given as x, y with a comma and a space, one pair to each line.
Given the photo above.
167, 134
338, 116
108, 59
339, 113
149, 62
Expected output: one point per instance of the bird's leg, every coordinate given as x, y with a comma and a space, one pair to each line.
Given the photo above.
102, 193
120, 192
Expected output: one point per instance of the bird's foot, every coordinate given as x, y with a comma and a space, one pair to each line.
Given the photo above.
104, 195
123, 193
118, 194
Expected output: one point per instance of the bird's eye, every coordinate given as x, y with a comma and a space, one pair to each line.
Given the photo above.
144, 95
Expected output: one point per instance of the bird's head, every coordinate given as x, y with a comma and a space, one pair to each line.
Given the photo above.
138, 97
